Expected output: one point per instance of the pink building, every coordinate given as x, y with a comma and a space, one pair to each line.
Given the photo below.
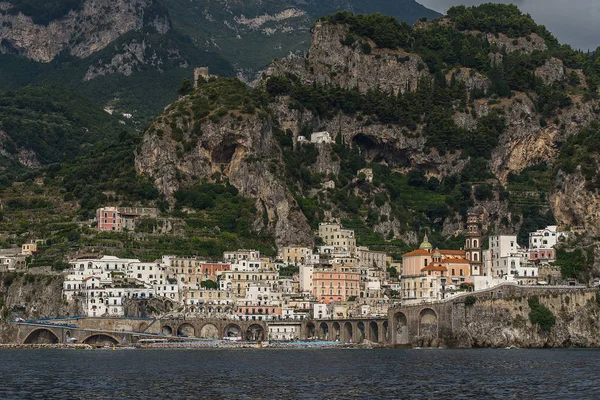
109, 219
541, 255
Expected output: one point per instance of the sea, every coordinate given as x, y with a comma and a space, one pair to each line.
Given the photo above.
300, 374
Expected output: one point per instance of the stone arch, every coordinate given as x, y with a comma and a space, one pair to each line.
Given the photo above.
428, 323
360, 330
166, 330
41, 336
255, 333
468, 243
323, 331
373, 332
336, 331
348, 332
310, 330
475, 243
232, 331
186, 329
386, 332
475, 256
209, 331
401, 324
101, 339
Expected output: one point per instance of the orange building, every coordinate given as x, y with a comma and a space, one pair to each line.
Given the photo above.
336, 284
429, 275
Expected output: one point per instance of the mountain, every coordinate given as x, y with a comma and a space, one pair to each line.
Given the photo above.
480, 110
122, 54
131, 55
251, 33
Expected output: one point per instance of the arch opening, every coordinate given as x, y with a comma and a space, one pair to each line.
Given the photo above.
209, 331
374, 332
401, 324
186, 330
232, 332
428, 323
255, 333
323, 331
310, 330
348, 332
360, 330
336, 334
42, 336
166, 330
101, 340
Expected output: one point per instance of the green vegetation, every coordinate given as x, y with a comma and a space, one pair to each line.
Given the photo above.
575, 264
445, 47
581, 150
470, 300
209, 284
144, 93
53, 122
540, 314
218, 207
288, 271
43, 12
256, 50
112, 167
430, 104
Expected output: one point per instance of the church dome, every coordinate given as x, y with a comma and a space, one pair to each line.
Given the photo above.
426, 245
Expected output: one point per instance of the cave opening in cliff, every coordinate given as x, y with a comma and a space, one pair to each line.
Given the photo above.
375, 152
223, 153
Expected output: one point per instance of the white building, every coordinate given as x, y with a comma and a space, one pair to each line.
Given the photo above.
335, 235
321, 137
505, 257
321, 311
546, 238
241, 254
284, 331
305, 278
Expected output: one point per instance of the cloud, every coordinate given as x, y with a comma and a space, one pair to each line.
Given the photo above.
574, 22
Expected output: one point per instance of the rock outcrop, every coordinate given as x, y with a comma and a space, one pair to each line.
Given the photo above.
242, 150
31, 297
503, 323
81, 32
347, 65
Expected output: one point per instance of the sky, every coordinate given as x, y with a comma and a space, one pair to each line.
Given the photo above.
576, 22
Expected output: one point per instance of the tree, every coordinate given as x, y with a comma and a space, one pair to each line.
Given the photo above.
209, 284
186, 87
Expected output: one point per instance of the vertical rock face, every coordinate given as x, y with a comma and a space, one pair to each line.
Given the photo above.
243, 150
31, 296
81, 32
331, 62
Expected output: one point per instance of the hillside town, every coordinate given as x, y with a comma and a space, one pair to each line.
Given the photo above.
337, 279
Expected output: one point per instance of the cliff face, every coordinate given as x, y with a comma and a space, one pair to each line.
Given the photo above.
506, 323
81, 32
241, 149
31, 297
331, 62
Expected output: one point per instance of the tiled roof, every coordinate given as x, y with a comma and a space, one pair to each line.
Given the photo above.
435, 268
418, 252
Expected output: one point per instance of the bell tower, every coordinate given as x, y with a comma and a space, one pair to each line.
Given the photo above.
473, 244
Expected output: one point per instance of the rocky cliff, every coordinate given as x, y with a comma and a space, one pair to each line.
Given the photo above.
82, 32
537, 121
31, 296
506, 322
238, 146
331, 62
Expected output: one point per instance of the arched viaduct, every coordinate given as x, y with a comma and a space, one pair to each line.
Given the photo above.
404, 325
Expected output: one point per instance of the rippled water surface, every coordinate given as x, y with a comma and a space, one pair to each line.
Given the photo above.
300, 374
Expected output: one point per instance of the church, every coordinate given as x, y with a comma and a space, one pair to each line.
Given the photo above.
430, 274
